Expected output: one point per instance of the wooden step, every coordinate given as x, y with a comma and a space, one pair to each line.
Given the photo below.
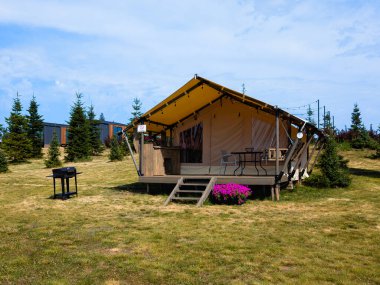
195, 184
186, 198
189, 191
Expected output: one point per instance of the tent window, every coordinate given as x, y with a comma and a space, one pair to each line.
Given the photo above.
191, 144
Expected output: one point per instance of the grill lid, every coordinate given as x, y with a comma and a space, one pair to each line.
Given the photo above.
64, 171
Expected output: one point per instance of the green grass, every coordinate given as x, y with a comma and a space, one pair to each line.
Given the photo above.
108, 235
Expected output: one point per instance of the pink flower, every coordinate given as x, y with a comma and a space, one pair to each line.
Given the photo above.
230, 193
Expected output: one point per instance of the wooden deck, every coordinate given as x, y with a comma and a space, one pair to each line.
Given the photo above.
221, 179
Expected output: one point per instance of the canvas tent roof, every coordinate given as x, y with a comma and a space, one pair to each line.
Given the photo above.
195, 95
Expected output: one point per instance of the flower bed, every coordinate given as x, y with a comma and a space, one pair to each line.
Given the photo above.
231, 194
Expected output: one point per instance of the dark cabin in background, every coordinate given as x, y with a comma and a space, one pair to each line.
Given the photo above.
107, 130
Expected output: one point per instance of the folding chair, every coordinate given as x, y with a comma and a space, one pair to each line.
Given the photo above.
227, 159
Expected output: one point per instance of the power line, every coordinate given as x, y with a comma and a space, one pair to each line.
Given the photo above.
299, 107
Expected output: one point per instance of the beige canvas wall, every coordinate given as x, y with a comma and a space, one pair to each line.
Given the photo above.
232, 126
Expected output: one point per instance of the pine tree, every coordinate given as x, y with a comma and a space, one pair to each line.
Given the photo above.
124, 148
2, 132
328, 125
359, 135
3, 162
53, 153
78, 138
243, 90
101, 117
333, 166
115, 152
136, 106
356, 121
334, 170
16, 143
95, 142
35, 129
310, 115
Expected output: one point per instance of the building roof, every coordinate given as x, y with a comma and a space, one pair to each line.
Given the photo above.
194, 96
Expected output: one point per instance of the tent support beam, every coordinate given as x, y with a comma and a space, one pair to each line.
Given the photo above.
141, 155
277, 168
156, 123
316, 158
312, 153
131, 152
177, 97
197, 111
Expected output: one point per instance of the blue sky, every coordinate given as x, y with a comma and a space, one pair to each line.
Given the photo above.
287, 53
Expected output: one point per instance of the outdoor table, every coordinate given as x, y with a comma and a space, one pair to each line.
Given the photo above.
246, 157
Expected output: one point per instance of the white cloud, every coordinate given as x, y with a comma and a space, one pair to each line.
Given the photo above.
285, 53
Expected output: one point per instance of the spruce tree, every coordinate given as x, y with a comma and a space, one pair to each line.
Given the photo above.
334, 170
16, 143
3, 162
359, 135
356, 121
328, 125
310, 115
2, 132
35, 129
136, 106
53, 153
95, 142
116, 152
124, 147
78, 138
101, 117
333, 166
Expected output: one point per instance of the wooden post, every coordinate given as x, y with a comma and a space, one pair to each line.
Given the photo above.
141, 152
277, 192
171, 137
277, 168
272, 192
287, 164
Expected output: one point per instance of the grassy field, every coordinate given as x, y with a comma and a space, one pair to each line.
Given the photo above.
110, 235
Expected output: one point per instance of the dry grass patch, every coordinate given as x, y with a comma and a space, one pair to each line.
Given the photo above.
109, 235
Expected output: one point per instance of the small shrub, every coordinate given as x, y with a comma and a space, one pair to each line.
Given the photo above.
230, 194
3, 162
317, 180
376, 155
53, 153
116, 152
344, 146
107, 142
124, 148
334, 170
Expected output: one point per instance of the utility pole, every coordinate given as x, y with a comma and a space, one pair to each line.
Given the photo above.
318, 113
324, 117
333, 123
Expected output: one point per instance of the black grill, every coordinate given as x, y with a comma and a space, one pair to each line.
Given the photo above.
65, 173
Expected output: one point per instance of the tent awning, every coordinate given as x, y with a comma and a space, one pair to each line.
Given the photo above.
195, 95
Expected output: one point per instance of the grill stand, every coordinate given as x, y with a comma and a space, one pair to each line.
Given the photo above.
65, 179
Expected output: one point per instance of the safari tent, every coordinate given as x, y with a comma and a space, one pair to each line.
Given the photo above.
205, 131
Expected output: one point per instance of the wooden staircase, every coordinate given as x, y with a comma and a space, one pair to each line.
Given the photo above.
192, 189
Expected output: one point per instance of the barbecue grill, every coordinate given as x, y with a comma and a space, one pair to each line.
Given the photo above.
65, 174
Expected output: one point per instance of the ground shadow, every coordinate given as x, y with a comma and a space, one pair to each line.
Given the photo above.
142, 188
258, 192
365, 172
